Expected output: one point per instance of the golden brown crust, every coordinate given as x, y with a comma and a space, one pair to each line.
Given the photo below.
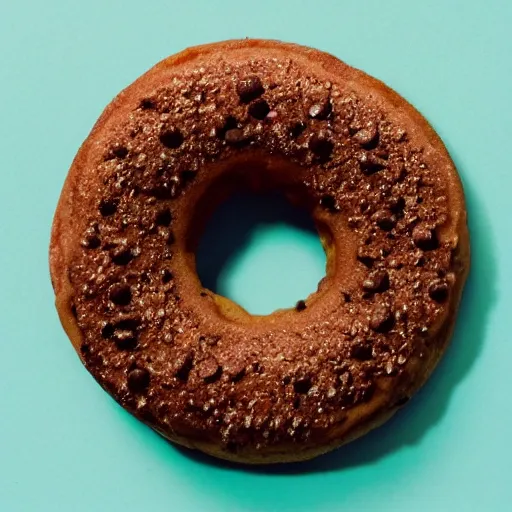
71, 220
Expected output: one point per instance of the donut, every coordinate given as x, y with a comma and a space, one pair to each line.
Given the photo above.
258, 116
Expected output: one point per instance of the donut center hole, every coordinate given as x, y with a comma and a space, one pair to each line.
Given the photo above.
261, 252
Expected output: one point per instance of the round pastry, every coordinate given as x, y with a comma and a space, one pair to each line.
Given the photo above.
196, 367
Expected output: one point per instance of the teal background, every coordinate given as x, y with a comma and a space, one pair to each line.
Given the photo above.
65, 445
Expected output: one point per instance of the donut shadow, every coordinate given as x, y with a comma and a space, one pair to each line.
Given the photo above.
232, 225
408, 426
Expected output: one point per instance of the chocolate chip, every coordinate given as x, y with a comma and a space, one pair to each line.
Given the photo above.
249, 89
361, 352
257, 367
120, 294
321, 146
235, 137
424, 238
366, 256
370, 164
297, 128
397, 205
259, 109
108, 207
120, 151
85, 349
125, 339
420, 262
385, 220
166, 276
300, 306
237, 373
163, 217
329, 203
107, 331
302, 386
320, 111
147, 104
184, 367
209, 370
376, 282
438, 291
91, 242
381, 319
366, 260
229, 124
368, 137
171, 138
122, 255
286, 380
138, 380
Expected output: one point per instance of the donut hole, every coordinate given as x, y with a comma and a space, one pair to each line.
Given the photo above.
260, 252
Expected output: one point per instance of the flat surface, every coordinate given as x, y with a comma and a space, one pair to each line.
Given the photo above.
65, 445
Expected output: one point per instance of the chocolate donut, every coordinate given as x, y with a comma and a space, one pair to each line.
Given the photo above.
260, 115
